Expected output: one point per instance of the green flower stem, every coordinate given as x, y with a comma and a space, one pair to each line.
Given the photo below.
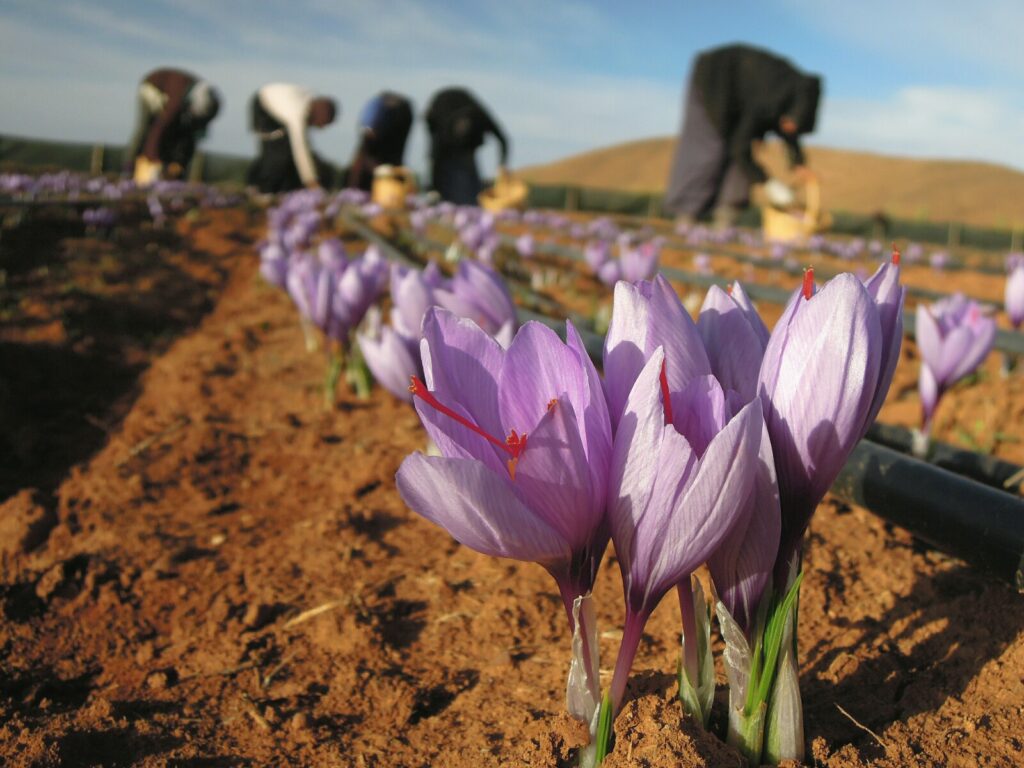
335, 362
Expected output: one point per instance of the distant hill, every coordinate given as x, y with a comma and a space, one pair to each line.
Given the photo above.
977, 193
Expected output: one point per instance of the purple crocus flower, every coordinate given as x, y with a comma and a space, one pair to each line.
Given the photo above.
1015, 294
392, 357
954, 337
525, 446
274, 264
525, 246
610, 273
683, 467
335, 296
702, 263
735, 338
479, 293
826, 370
939, 260
597, 253
639, 262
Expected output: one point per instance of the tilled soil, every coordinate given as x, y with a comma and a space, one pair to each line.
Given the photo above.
227, 577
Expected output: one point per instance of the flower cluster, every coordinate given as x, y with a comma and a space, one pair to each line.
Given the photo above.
708, 442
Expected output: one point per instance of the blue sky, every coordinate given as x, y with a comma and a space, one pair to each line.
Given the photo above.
933, 79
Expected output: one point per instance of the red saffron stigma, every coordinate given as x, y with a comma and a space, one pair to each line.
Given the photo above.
665, 396
552, 403
514, 445
808, 288
895, 254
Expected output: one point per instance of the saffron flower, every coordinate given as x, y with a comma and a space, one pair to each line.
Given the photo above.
683, 468
477, 292
825, 373
639, 262
953, 336
525, 445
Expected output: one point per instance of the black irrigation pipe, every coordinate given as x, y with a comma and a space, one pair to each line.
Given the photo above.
954, 514
980, 467
964, 518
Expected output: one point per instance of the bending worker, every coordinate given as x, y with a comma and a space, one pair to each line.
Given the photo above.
174, 110
384, 128
736, 95
281, 113
458, 124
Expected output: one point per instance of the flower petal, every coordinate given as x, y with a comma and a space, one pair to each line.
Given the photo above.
714, 500
477, 507
742, 564
552, 477
734, 347
817, 398
624, 346
391, 359
636, 454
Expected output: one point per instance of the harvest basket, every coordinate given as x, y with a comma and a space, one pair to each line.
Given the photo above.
391, 186
508, 192
793, 225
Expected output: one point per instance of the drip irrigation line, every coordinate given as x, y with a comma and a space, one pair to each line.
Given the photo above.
980, 467
964, 518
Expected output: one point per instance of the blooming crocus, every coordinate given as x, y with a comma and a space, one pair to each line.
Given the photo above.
274, 264
825, 373
478, 292
953, 337
702, 263
1015, 294
596, 253
525, 445
683, 466
639, 262
525, 245
610, 273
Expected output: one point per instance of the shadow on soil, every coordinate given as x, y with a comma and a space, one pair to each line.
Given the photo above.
973, 618
82, 317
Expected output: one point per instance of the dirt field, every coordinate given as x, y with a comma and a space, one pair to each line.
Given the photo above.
201, 566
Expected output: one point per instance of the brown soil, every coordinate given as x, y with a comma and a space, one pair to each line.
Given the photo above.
983, 194
223, 573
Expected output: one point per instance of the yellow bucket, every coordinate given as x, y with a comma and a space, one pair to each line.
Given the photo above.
507, 192
795, 225
391, 185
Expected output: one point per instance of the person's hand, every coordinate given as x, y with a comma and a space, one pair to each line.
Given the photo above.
312, 185
805, 174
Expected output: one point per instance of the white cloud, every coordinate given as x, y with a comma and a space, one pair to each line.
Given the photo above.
930, 122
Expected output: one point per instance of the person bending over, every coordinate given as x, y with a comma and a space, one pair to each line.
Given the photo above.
281, 113
737, 94
174, 110
458, 125
384, 128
